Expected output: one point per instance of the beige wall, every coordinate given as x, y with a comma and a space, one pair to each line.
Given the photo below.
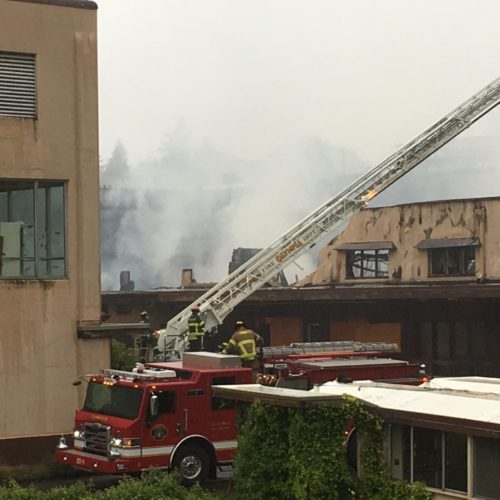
405, 226
39, 351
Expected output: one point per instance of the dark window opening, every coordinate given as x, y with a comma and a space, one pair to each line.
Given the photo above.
166, 401
427, 451
315, 332
184, 374
223, 403
438, 459
459, 261
486, 468
367, 263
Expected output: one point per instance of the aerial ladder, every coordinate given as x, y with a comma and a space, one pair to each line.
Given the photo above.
221, 299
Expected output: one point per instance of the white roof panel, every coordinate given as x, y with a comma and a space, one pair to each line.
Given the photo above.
480, 407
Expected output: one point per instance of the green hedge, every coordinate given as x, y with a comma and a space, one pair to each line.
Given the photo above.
154, 485
299, 454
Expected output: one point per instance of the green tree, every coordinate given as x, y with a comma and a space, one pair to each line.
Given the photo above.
122, 357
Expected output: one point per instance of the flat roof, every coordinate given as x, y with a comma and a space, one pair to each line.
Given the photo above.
482, 385
463, 404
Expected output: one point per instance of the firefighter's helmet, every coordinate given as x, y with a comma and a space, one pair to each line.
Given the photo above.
239, 324
144, 314
195, 309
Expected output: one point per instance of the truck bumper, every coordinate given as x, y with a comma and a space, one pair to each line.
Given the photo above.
96, 463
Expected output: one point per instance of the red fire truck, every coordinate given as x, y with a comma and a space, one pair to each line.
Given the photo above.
160, 415
163, 414
303, 365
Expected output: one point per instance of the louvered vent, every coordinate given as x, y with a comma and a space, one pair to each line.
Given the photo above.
17, 85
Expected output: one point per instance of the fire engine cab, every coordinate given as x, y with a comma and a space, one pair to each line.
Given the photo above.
160, 415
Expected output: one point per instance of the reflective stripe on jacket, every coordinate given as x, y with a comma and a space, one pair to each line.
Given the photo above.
245, 341
196, 327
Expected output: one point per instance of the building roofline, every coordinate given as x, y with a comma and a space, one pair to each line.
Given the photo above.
77, 4
470, 290
434, 202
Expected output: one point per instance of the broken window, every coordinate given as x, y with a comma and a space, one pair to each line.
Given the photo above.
32, 229
454, 261
367, 263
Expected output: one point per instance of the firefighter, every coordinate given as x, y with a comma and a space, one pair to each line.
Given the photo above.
196, 330
247, 343
148, 342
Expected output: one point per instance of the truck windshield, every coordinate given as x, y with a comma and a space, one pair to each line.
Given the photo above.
115, 400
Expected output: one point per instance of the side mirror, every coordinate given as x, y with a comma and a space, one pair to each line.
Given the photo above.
153, 405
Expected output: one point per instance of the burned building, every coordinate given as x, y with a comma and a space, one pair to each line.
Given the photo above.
424, 275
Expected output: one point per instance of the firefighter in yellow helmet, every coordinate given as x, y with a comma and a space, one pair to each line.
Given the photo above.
246, 343
196, 330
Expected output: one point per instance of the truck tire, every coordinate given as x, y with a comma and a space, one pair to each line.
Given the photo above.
192, 463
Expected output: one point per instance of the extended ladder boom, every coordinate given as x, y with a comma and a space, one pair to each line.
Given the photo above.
220, 300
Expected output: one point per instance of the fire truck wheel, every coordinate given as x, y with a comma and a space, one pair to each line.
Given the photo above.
192, 463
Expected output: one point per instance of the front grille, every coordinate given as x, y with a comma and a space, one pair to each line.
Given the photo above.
96, 438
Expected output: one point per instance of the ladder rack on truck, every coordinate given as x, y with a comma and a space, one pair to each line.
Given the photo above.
220, 300
340, 346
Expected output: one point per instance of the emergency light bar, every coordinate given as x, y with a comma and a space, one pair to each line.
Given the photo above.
146, 374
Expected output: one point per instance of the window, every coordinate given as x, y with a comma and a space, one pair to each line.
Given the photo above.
367, 263
223, 403
166, 402
17, 85
427, 452
458, 261
115, 400
436, 458
314, 332
32, 229
486, 468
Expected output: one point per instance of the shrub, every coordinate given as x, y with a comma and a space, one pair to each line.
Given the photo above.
299, 454
153, 485
261, 465
122, 357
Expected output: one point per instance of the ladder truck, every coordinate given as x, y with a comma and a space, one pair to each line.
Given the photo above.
221, 299
302, 365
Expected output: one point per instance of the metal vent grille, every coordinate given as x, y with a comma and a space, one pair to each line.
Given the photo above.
17, 85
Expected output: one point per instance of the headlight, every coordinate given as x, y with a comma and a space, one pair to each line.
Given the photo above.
116, 441
125, 442
78, 434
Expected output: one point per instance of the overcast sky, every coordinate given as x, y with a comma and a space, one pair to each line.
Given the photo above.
283, 89
251, 76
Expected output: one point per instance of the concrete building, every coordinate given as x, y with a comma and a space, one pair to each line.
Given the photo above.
49, 218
